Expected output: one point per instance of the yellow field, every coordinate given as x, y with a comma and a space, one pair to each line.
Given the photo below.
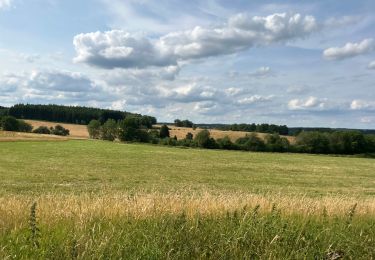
15, 136
79, 131
180, 133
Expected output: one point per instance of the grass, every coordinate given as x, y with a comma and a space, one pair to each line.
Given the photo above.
6, 136
84, 199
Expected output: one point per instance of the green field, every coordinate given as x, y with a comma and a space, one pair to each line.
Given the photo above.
76, 166
101, 200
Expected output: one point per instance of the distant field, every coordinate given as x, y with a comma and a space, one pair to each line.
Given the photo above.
75, 130
103, 200
6, 136
180, 133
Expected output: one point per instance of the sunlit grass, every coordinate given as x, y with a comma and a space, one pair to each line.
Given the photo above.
101, 200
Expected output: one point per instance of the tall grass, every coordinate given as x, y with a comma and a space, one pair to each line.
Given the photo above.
185, 226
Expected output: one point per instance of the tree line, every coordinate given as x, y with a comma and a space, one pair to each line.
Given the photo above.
71, 114
260, 128
183, 123
340, 142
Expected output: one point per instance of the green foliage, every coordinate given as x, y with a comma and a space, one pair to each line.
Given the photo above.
203, 140
164, 131
59, 130
226, 143
10, 123
94, 129
132, 129
251, 142
72, 114
3, 111
189, 136
42, 130
338, 142
261, 128
275, 143
183, 123
109, 130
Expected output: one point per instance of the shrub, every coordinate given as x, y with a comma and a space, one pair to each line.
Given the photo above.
226, 143
275, 143
60, 130
203, 139
24, 126
42, 130
10, 123
109, 130
164, 131
94, 129
251, 143
189, 136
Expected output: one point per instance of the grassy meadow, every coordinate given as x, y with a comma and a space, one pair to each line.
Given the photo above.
83, 199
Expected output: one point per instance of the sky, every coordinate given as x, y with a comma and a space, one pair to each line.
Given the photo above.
299, 63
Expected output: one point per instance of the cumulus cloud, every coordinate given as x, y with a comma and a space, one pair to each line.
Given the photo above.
350, 50
254, 99
371, 65
120, 49
5, 4
362, 105
307, 104
53, 85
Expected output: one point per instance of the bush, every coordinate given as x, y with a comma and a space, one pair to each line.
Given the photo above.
10, 123
42, 130
275, 143
94, 129
24, 126
189, 136
251, 143
226, 143
164, 131
60, 130
203, 140
109, 130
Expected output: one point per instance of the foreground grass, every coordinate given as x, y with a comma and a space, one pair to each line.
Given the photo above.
245, 233
99, 200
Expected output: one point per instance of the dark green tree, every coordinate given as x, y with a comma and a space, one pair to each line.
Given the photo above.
164, 131
109, 130
42, 130
203, 139
94, 129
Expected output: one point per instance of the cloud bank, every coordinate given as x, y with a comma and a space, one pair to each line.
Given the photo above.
120, 49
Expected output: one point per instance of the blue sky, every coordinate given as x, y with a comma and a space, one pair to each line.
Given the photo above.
300, 63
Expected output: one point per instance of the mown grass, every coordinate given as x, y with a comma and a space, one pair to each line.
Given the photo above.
85, 166
101, 200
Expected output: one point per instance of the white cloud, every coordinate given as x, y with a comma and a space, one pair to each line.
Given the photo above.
371, 65
307, 104
120, 49
54, 85
5, 4
262, 72
350, 50
362, 105
254, 99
